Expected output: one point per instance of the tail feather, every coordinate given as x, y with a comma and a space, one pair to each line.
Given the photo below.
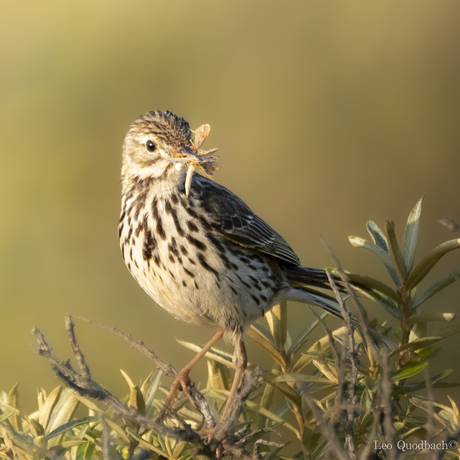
306, 294
302, 277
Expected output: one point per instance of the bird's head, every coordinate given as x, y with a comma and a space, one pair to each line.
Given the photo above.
159, 145
155, 141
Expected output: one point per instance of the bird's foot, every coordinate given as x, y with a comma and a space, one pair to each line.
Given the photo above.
209, 434
181, 381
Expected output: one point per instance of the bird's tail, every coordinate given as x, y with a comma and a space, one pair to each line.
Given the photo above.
303, 281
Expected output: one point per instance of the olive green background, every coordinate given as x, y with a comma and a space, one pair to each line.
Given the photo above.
326, 114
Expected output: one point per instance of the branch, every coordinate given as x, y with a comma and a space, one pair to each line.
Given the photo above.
81, 382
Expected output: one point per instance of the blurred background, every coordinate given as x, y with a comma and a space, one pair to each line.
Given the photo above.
326, 115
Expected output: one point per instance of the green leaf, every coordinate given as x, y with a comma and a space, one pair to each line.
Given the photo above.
136, 398
268, 398
417, 386
147, 445
70, 425
149, 390
376, 285
439, 286
395, 251
258, 333
362, 243
13, 400
365, 405
411, 235
277, 322
421, 343
4, 416
62, 413
428, 353
88, 403
329, 371
430, 260
305, 377
381, 241
218, 376
302, 337
324, 355
45, 412
377, 235
426, 317
287, 391
408, 371
383, 300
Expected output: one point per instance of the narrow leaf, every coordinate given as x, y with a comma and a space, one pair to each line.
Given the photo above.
408, 371
411, 235
218, 376
372, 283
145, 444
277, 322
454, 410
377, 235
256, 334
268, 398
321, 344
417, 386
62, 413
326, 369
426, 317
383, 300
426, 341
150, 389
362, 243
45, 412
439, 286
127, 378
70, 425
13, 400
4, 416
430, 260
118, 429
302, 337
381, 241
305, 377
395, 251
283, 388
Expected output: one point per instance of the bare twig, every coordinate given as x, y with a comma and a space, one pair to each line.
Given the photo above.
251, 382
81, 382
84, 386
196, 397
389, 431
362, 314
351, 350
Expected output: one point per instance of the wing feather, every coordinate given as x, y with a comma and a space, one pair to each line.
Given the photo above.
232, 219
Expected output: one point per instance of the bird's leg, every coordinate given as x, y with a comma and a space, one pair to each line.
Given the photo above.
240, 360
182, 379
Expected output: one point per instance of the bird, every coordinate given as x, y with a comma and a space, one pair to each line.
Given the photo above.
202, 254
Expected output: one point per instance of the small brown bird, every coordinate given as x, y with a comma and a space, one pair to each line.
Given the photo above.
206, 259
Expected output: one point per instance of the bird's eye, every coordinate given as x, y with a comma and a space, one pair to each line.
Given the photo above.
150, 146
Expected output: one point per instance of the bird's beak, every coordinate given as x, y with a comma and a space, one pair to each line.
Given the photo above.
183, 155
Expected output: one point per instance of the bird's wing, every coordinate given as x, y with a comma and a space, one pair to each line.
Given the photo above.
232, 219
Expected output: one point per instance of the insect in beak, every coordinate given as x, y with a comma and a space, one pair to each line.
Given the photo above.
195, 158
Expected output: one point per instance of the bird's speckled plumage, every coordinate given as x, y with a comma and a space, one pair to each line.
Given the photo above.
208, 260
